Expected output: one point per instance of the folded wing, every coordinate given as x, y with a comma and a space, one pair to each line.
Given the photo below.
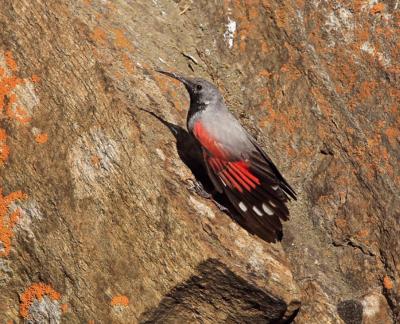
251, 181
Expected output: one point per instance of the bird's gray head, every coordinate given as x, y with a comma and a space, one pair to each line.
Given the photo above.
202, 92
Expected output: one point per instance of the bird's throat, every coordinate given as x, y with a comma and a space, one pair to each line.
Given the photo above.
194, 113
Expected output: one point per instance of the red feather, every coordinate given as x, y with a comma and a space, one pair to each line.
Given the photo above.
208, 142
235, 174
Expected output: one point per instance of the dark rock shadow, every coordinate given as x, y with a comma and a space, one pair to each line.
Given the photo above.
217, 295
190, 153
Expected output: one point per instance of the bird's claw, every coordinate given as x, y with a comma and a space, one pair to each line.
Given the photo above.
198, 188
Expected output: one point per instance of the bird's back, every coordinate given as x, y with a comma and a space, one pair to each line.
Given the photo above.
225, 130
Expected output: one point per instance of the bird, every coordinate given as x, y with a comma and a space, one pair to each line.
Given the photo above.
236, 165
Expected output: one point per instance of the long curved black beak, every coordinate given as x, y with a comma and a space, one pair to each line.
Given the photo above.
176, 76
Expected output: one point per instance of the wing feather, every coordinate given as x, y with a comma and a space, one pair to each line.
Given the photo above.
251, 182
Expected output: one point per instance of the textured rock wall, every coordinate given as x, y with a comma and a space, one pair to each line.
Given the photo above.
100, 221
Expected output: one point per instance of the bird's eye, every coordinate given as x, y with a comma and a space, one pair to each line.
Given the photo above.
199, 87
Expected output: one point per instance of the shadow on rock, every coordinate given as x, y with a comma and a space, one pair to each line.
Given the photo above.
215, 289
190, 153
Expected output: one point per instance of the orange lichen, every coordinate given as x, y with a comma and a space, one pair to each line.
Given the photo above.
341, 223
8, 99
387, 283
362, 233
379, 7
264, 73
64, 308
283, 119
164, 85
4, 149
367, 88
19, 114
41, 138
99, 35
111, 6
95, 160
11, 64
7, 226
264, 47
120, 40
281, 15
119, 300
392, 133
323, 103
36, 291
253, 13
35, 78
7, 85
127, 62
357, 5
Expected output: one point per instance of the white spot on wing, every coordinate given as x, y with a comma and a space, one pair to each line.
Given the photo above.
268, 210
242, 206
275, 187
272, 204
257, 211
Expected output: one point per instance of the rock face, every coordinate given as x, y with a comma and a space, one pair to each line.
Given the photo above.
100, 220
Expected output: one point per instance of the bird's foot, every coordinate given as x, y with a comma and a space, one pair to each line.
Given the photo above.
198, 188
221, 207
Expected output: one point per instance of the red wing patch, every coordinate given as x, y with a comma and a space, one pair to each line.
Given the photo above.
234, 174
208, 142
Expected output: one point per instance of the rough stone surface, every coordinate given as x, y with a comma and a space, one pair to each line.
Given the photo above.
99, 201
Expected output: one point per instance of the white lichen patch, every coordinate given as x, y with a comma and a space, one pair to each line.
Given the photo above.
203, 209
256, 260
160, 154
180, 170
229, 34
234, 227
261, 262
340, 22
5, 271
93, 159
35, 131
23, 93
30, 213
368, 48
26, 96
371, 305
383, 58
45, 311
255, 253
118, 309
3, 64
